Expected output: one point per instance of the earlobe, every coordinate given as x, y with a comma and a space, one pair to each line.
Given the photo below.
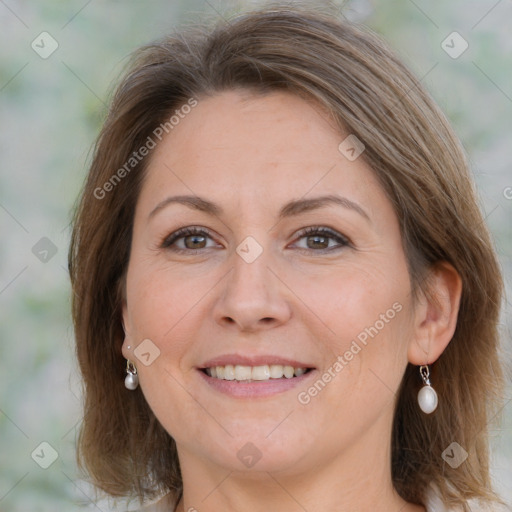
127, 348
436, 315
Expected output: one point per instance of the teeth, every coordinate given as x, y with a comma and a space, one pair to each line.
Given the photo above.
229, 372
241, 372
260, 373
276, 371
288, 372
247, 373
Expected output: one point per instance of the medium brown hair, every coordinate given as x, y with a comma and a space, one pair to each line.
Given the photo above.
369, 92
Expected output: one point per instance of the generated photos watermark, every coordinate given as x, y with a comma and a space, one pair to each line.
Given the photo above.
304, 397
144, 150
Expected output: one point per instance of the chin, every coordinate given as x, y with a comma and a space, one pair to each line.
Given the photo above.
255, 454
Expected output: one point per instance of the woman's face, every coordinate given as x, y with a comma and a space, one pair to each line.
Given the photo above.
292, 257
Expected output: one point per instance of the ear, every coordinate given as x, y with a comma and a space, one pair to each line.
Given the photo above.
436, 314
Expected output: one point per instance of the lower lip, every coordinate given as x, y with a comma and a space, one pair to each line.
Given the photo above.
254, 389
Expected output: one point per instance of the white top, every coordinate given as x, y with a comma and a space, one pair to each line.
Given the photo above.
433, 504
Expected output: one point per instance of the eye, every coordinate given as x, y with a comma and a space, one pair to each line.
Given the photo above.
321, 239
195, 238
188, 239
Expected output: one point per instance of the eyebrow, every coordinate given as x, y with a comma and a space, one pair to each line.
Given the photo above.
290, 209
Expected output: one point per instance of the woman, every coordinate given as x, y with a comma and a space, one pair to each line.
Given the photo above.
285, 294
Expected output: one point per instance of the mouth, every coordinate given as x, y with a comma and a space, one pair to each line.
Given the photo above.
261, 373
245, 376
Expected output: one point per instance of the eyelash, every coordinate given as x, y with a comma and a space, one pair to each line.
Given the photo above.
304, 233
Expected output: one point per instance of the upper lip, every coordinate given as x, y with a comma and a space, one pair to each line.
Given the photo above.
259, 360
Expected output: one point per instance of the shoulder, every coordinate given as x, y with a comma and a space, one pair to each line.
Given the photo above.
433, 503
163, 504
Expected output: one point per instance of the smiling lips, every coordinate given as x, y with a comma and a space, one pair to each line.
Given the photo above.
247, 373
259, 368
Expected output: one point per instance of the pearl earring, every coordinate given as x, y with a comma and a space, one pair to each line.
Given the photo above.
131, 380
427, 397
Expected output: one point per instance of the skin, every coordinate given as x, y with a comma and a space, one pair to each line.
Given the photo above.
251, 155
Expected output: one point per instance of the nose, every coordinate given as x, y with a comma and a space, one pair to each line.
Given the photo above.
253, 297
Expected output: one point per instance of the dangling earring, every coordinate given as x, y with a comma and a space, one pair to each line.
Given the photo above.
131, 380
427, 396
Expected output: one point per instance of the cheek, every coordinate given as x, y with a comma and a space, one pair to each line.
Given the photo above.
160, 299
162, 308
357, 301
153, 313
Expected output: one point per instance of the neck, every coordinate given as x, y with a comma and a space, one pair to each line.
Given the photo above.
271, 493
356, 480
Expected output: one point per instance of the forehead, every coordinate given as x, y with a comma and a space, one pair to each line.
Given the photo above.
257, 149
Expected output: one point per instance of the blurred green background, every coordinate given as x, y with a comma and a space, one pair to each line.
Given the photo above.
50, 112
